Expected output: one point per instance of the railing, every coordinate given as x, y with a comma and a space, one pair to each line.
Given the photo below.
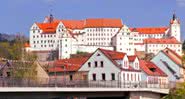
17, 82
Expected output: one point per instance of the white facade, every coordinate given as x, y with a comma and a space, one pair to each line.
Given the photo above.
130, 40
72, 37
112, 71
155, 48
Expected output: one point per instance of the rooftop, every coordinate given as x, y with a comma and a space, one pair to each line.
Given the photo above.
171, 40
150, 30
151, 69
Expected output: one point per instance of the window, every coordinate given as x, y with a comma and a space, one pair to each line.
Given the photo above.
101, 63
128, 77
113, 76
123, 76
136, 65
71, 77
89, 64
96, 64
103, 76
98, 54
8, 74
94, 77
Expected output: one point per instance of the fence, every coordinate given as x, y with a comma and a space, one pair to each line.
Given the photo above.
44, 82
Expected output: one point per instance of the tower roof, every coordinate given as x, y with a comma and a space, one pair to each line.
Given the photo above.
174, 16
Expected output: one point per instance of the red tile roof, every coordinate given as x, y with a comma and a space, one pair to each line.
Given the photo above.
103, 22
73, 24
48, 27
146, 66
113, 54
132, 58
171, 40
168, 52
150, 30
72, 64
79, 24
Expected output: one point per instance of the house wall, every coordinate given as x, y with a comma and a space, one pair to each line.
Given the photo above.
158, 61
108, 67
130, 76
76, 76
155, 48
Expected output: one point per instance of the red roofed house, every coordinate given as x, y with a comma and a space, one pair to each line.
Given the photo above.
27, 47
148, 39
67, 69
107, 65
153, 45
170, 63
152, 74
66, 37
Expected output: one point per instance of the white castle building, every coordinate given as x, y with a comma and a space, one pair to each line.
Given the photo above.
66, 37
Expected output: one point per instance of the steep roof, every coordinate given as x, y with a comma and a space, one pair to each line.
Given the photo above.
171, 40
73, 24
173, 56
48, 27
103, 22
150, 30
151, 69
72, 64
132, 58
113, 56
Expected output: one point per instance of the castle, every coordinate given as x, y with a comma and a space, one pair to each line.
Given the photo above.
65, 37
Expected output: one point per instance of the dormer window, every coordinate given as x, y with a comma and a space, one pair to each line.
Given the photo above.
153, 69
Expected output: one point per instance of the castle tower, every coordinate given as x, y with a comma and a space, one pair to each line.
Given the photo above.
175, 28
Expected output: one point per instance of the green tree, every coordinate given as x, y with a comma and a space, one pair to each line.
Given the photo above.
25, 65
176, 93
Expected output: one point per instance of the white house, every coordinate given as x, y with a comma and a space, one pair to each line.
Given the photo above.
110, 65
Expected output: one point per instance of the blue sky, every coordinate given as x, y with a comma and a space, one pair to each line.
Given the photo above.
19, 15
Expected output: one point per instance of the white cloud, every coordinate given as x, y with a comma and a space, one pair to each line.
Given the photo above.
181, 3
